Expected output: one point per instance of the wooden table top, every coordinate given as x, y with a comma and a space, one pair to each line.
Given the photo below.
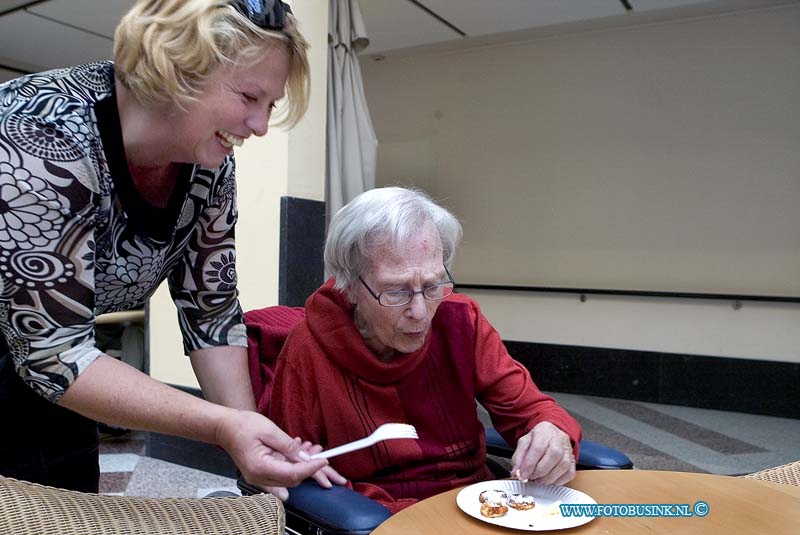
736, 505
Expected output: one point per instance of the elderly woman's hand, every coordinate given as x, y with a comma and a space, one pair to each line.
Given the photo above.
544, 455
326, 476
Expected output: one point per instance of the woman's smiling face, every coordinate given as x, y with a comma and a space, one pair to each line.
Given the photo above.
237, 102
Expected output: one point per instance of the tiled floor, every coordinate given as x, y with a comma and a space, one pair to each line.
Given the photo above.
124, 469
668, 437
655, 437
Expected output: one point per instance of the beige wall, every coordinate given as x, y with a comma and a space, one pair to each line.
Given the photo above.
661, 157
765, 331
281, 163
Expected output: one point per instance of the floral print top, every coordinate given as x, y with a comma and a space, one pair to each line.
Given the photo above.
78, 240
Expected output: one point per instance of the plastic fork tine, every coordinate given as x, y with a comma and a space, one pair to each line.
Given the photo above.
384, 432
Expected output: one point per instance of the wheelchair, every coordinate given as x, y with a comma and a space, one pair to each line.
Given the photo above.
313, 510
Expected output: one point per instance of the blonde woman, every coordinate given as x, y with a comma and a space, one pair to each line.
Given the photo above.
114, 177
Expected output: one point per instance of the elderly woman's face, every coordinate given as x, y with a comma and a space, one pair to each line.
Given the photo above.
236, 103
416, 265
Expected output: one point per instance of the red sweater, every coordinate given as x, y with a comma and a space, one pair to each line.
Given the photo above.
331, 389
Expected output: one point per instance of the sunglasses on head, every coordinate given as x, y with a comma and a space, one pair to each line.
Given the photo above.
266, 14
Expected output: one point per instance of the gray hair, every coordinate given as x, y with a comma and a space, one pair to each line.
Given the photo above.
379, 217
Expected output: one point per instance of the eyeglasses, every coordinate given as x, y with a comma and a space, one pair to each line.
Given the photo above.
399, 298
266, 14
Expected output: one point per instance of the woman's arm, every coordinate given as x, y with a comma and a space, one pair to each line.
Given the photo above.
224, 376
113, 392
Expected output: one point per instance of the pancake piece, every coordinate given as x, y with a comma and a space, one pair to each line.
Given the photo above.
521, 502
493, 509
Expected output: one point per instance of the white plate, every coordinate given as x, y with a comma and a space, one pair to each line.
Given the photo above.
537, 519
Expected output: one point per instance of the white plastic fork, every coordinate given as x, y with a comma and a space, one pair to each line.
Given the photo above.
384, 432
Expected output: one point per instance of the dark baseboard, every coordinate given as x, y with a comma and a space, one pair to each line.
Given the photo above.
730, 384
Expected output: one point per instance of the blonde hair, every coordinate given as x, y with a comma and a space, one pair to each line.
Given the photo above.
165, 49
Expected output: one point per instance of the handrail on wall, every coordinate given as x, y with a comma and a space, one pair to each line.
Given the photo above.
583, 292
127, 316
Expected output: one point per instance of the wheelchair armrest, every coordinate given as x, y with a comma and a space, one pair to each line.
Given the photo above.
591, 455
338, 510
595, 456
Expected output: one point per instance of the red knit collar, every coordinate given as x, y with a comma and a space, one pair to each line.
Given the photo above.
329, 315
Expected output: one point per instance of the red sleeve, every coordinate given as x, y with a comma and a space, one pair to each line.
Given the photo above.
507, 391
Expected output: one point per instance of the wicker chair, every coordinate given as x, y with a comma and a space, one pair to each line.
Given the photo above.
788, 474
31, 509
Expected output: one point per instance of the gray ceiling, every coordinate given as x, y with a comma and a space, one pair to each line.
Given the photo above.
44, 34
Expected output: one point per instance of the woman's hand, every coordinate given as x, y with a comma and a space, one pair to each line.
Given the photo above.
266, 456
544, 455
326, 476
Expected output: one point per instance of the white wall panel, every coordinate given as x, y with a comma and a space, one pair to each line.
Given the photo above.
48, 45
661, 157
393, 24
479, 17
99, 17
8, 5
6, 75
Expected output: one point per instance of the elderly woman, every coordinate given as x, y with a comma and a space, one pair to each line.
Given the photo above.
113, 178
386, 340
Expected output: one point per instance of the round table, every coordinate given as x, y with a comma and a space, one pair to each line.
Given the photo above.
736, 505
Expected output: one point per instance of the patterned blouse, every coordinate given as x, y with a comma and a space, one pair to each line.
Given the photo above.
78, 240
